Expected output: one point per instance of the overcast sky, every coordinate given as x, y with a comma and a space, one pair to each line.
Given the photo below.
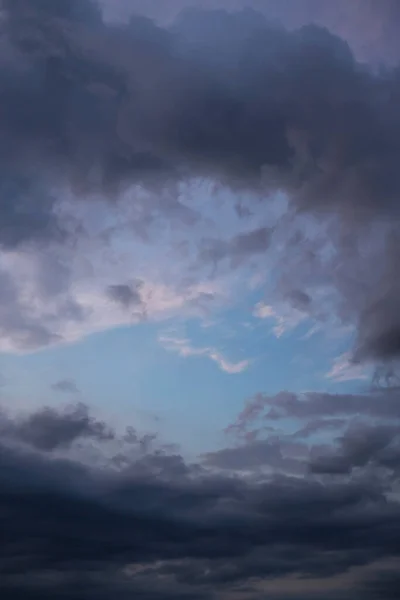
199, 299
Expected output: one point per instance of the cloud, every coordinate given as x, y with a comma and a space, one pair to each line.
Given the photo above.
116, 140
65, 386
383, 582
359, 447
316, 409
237, 249
62, 296
375, 41
320, 425
169, 526
184, 348
344, 370
125, 294
27, 209
286, 319
269, 455
158, 110
151, 137
49, 429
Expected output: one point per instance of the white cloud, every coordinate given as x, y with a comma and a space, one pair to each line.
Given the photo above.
286, 317
344, 370
183, 347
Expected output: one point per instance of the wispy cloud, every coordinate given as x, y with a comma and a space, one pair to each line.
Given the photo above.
344, 370
285, 319
184, 348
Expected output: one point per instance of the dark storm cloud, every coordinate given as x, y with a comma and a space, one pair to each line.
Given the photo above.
369, 26
26, 209
359, 447
49, 429
141, 521
383, 583
217, 94
159, 525
96, 586
227, 96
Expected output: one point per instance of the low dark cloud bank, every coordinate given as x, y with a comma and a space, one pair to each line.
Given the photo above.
159, 527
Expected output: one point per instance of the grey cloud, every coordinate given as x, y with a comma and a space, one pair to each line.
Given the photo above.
359, 447
317, 410
65, 386
321, 425
341, 434
382, 583
96, 586
238, 531
15, 322
161, 527
226, 96
209, 122
274, 455
27, 210
299, 299
125, 294
49, 429
376, 40
237, 249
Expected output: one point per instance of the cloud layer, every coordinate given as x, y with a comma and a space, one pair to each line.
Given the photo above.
118, 140
147, 521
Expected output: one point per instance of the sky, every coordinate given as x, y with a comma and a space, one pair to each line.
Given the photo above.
199, 292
